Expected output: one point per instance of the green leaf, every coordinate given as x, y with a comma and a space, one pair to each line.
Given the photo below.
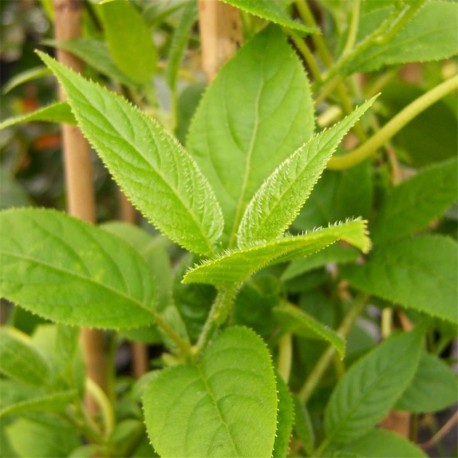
285, 420
187, 103
278, 201
13, 193
71, 272
242, 132
238, 265
418, 273
371, 387
54, 402
430, 35
24, 77
337, 253
223, 406
148, 163
179, 40
129, 40
272, 10
94, 53
380, 443
58, 112
303, 426
293, 319
411, 205
20, 361
432, 377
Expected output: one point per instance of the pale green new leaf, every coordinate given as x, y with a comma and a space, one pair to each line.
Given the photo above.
414, 203
272, 10
236, 266
257, 111
73, 273
285, 419
129, 40
278, 201
293, 319
224, 405
24, 77
371, 387
430, 35
432, 376
158, 176
53, 402
58, 112
20, 361
418, 273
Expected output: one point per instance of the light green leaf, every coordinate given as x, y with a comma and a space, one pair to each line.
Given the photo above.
20, 361
129, 40
48, 403
430, 35
371, 387
380, 443
242, 132
418, 273
337, 253
148, 163
272, 10
223, 406
188, 101
179, 40
238, 265
412, 205
278, 201
24, 77
58, 112
434, 387
293, 319
71, 272
285, 420
94, 53
303, 426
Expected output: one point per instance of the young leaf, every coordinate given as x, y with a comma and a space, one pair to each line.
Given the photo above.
242, 132
71, 272
238, 265
429, 36
418, 273
432, 376
223, 406
148, 163
20, 361
411, 205
293, 319
58, 112
303, 426
272, 10
24, 77
276, 204
371, 387
129, 40
285, 420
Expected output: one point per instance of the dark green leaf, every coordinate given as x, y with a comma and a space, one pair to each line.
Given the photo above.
285, 420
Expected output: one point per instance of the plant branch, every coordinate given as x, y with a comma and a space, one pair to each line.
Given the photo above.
104, 403
391, 128
172, 334
441, 433
285, 356
353, 29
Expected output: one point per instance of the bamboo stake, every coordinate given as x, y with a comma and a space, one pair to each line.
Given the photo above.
220, 34
78, 177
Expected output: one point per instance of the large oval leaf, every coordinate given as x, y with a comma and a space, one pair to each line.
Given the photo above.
226, 405
71, 272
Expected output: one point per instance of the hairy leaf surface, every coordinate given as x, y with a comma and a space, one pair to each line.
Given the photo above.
303, 426
418, 273
236, 266
413, 204
158, 176
226, 405
242, 132
293, 319
71, 272
371, 387
276, 204
285, 420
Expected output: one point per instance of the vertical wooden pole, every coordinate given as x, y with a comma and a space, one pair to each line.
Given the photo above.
78, 176
220, 34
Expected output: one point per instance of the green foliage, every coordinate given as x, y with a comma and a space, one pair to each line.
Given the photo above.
221, 406
285, 419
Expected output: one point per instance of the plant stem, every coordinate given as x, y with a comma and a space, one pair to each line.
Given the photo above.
308, 56
285, 356
353, 29
172, 334
327, 357
104, 403
391, 128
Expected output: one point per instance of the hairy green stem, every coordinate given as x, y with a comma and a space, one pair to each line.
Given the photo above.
391, 128
327, 357
285, 356
308, 56
173, 335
